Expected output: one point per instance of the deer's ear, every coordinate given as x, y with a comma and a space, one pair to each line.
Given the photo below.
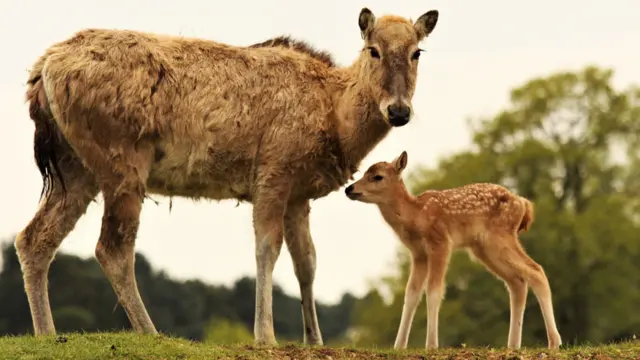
426, 23
365, 22
400, 163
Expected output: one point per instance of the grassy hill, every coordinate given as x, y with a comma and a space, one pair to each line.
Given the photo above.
131, 346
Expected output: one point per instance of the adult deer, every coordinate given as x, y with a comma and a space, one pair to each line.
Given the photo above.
483, 218
277, 124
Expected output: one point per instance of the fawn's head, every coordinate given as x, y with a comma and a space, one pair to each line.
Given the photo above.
380, 182
389, 60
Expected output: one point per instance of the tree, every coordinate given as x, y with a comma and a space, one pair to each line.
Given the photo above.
569, 143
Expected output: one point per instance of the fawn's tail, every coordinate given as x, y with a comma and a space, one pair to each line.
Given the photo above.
527, 217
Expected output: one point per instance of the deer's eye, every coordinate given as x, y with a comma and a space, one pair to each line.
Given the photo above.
374, 53
377, 178
416, 54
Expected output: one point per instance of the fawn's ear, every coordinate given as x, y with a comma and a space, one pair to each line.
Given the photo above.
400, 162
365, 22
426, 23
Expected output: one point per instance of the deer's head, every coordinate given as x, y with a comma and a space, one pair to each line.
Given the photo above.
389, 60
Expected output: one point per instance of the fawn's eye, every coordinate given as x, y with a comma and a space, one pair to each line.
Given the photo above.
416, 54
374, 53
377, 178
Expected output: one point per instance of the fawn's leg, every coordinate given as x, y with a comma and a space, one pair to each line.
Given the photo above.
439, 254
517, 300
303, 254
412, 295
516, 286
269, 205
537, 279
37, 243
504, 256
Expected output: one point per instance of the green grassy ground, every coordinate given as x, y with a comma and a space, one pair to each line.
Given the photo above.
132, 346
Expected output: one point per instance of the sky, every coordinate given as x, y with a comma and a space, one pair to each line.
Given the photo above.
478, 51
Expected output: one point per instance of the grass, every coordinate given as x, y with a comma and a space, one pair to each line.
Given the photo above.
132, 346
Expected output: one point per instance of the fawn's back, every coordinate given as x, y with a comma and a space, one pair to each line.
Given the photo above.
474, 212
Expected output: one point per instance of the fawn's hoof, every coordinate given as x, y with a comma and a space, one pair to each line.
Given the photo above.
555, 341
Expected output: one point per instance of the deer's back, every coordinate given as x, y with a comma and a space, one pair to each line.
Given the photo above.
211, 109
184, 87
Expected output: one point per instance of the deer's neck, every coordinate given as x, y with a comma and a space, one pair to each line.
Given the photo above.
360, 123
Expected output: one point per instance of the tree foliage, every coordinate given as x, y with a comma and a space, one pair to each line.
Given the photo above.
225, 332
569, 142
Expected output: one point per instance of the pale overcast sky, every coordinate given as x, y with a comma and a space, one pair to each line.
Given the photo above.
477, 53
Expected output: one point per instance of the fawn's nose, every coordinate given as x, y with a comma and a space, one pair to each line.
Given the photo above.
398, 114
348, 190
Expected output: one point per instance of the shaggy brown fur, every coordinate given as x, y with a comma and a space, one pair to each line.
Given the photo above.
288, 42
277, 124
485, 219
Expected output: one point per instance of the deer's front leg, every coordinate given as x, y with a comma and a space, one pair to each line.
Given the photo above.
268, 215
412, 295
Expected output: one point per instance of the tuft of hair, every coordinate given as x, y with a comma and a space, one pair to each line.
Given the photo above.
528, 216
387, 20
297, 45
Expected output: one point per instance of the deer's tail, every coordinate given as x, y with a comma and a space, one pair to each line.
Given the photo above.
47, 139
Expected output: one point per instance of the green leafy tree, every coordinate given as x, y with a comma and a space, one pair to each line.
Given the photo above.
569, 142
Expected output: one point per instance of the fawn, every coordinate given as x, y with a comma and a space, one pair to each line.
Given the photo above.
485, 219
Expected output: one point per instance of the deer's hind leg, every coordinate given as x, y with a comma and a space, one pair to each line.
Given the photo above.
121, 166
55, 219
123, 191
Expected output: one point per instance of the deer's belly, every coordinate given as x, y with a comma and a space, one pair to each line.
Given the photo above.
201, 173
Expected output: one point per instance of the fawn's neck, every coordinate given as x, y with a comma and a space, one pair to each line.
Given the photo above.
401, 210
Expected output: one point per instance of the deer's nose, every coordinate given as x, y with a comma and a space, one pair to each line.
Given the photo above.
398, 114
